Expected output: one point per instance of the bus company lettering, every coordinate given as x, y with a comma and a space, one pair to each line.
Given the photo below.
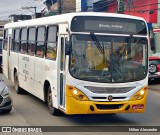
25, 72
25, 58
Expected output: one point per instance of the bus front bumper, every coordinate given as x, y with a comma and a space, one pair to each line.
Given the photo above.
74, 106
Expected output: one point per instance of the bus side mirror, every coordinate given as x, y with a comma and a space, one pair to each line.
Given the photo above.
68, 48
152, 43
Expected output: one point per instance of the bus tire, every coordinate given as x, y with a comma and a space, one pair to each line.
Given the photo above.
16, 84
52, 109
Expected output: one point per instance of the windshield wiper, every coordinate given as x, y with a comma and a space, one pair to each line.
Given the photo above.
128, 44
115, 65
98, 45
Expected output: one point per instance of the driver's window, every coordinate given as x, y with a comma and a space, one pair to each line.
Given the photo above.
79, 54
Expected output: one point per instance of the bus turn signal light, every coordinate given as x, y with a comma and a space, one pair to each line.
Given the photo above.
76, 93
139, 94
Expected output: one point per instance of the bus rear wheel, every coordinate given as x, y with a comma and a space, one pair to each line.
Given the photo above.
16, 84
52, 109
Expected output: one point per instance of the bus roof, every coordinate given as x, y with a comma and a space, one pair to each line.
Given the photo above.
64, 18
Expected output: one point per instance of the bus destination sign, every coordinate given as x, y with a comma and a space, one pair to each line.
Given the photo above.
111, 25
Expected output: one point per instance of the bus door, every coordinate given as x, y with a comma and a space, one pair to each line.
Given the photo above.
9, 58
62, 71
6, 55
63, 34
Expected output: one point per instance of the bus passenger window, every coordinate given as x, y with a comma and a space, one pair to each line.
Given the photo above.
24, 40
5, 42
40, 43
31, 41
15, 43
52, 43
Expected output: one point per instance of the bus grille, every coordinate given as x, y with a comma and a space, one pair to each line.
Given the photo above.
105, 98
103, 90
1, 99
108, 107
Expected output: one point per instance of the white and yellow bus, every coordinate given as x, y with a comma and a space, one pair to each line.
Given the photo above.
80, 63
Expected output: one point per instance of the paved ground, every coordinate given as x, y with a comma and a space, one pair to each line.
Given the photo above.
30, 111
155, 85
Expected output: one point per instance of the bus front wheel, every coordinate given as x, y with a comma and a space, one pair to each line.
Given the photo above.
52, 109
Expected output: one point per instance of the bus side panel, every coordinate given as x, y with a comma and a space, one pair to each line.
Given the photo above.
22, 71
13, 64
52, 76
39, 77
29, 65
45, 70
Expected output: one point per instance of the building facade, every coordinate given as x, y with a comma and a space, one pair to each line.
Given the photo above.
2, 23
85, 5
60, 6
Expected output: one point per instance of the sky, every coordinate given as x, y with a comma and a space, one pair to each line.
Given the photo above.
8, 7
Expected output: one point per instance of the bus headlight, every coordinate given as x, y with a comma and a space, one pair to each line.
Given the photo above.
139, 94
142, 92
76, 94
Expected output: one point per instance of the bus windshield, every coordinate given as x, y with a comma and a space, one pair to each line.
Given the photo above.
104, 58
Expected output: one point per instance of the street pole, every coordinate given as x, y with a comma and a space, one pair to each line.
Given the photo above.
121, 6
60, 6
35, 12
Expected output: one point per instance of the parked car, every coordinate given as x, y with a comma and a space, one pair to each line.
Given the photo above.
5, 98
1, 39
154, 67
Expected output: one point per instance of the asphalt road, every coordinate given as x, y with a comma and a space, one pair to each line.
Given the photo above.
30, 111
